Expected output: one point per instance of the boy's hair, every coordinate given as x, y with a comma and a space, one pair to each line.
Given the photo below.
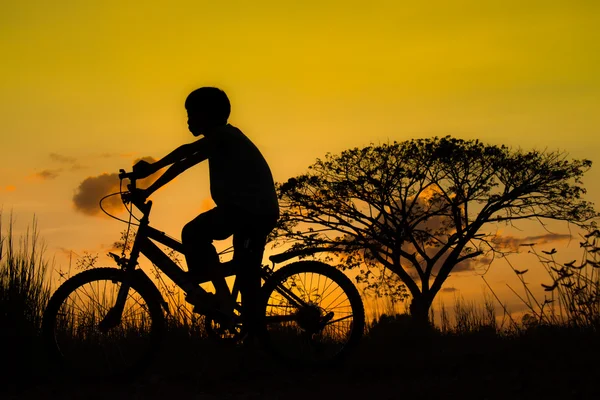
213, 101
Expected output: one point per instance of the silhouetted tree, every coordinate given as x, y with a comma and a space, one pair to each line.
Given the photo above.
422, 207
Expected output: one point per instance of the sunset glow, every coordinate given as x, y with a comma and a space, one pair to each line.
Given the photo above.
88, 87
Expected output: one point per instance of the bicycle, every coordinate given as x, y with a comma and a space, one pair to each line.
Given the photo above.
112, 320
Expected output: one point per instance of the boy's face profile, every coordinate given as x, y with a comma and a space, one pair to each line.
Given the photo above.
207, 108
201, 122
197, 122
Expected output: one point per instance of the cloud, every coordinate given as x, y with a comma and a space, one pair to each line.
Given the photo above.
47, 174
146, 158
62, 159
72, 163
502, 243
513, 243
8, 188
68, 164
448, 290
507, 243
89, 193
76, 167
471, 264
120, 155
92, 189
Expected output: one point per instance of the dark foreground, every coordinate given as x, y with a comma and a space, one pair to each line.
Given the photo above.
551, 364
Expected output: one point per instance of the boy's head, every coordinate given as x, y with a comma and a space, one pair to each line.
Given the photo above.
207, 107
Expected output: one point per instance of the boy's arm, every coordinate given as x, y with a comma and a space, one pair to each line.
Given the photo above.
182, 152
175, 169
143, 168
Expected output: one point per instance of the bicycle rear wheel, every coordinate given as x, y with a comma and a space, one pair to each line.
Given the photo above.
313, 314
86, 338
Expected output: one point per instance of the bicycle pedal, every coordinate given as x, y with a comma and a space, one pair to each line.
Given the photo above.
197, 298
205, 304
205, 309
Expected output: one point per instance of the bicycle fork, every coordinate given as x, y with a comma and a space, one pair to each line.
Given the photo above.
113, 316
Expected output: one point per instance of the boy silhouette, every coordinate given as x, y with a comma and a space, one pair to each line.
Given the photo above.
241, 186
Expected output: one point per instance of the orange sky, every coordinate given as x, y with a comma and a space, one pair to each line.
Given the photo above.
87, 87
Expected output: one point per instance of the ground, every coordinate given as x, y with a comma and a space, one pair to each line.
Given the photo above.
548, 365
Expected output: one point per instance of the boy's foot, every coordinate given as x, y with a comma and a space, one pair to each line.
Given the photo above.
209, 304
203, 302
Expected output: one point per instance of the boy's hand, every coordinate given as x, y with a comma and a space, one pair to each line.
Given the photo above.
137, 196
143, 169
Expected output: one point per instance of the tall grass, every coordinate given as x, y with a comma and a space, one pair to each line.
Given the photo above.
24, 293
572, 293
467, 317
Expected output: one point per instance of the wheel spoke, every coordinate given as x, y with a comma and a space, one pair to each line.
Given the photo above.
330, 319
333, 321
71, 325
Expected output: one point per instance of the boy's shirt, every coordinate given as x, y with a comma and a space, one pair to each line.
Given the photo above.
239, 174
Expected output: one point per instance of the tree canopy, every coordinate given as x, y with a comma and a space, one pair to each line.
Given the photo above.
421, 207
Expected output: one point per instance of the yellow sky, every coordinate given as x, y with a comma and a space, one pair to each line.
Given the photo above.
87, 87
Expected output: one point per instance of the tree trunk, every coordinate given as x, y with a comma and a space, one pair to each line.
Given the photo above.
419, 311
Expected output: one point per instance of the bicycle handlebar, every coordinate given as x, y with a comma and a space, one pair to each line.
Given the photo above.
132, 179
142, 205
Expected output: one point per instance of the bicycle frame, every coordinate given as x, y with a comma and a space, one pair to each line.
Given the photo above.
143, 244
101, 312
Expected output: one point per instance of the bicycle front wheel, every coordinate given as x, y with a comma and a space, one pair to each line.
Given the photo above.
85, 335
313, 314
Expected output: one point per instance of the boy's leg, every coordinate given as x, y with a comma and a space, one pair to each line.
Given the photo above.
249, 244
249, 277
201, 256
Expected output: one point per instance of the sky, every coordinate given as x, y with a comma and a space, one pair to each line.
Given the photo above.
87, 88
